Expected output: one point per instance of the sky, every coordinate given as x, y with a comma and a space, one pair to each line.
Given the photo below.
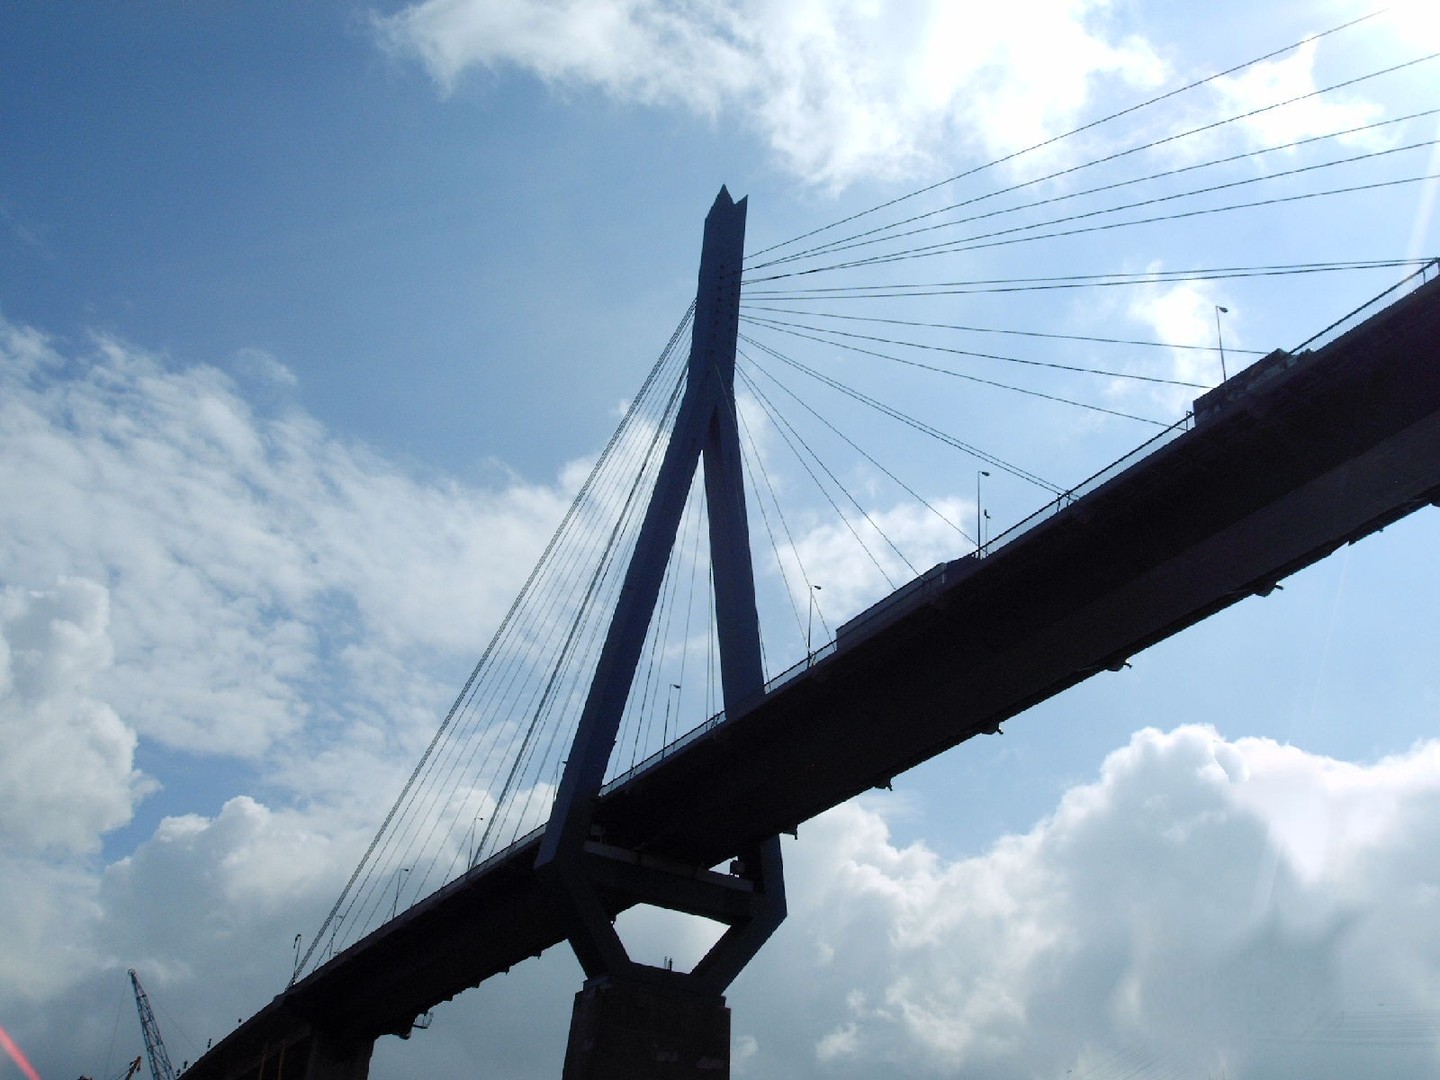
313, 318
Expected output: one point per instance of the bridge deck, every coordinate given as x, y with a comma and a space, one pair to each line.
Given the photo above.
1279, 471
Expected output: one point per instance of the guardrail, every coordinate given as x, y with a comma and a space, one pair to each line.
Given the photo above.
1089, 484
1409, 283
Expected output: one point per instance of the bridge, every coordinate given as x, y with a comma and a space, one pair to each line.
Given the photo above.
1276, 468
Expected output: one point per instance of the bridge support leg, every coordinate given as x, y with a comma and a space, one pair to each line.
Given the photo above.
628, 1029
330, 1059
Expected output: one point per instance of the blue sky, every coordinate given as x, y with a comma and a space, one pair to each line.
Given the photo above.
312, 318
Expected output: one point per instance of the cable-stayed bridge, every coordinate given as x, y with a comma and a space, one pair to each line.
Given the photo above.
571, 781
1277, 467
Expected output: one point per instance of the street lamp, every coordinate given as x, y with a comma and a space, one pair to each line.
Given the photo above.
470, 842
979, 540
669, 697
1220, 339
394, 907
810, 623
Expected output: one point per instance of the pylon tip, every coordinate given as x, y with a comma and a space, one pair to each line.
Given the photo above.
726, 201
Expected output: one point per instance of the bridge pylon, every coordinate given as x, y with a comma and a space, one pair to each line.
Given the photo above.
632, 1020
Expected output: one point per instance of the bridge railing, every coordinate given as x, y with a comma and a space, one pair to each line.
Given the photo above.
1089, 484
1351, 319
665, 751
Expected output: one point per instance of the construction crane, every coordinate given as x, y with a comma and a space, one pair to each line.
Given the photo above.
133, 1068
160, 1067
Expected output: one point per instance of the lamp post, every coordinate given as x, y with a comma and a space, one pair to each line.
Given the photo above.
669, 697
470, 843
810, 623
979, 540
395, 906
1220, 339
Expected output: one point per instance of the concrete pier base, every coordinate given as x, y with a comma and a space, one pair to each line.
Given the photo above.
330, 1059
633, 1030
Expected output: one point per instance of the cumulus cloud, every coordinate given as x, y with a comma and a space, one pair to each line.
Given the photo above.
1205, 906
1202, 906
247, 557
1415, 21
839, 91
248, 880
49, 906
67, 772
206, 909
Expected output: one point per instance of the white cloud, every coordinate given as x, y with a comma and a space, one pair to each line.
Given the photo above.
1204, 905
206, 910
67, 771
44, 922
247, 880
1183, 315
640, 51
1415, 21
1287, 78
247, 557
840, 91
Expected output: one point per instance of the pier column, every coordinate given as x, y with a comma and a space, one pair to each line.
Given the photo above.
628, 1029
330, 1059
